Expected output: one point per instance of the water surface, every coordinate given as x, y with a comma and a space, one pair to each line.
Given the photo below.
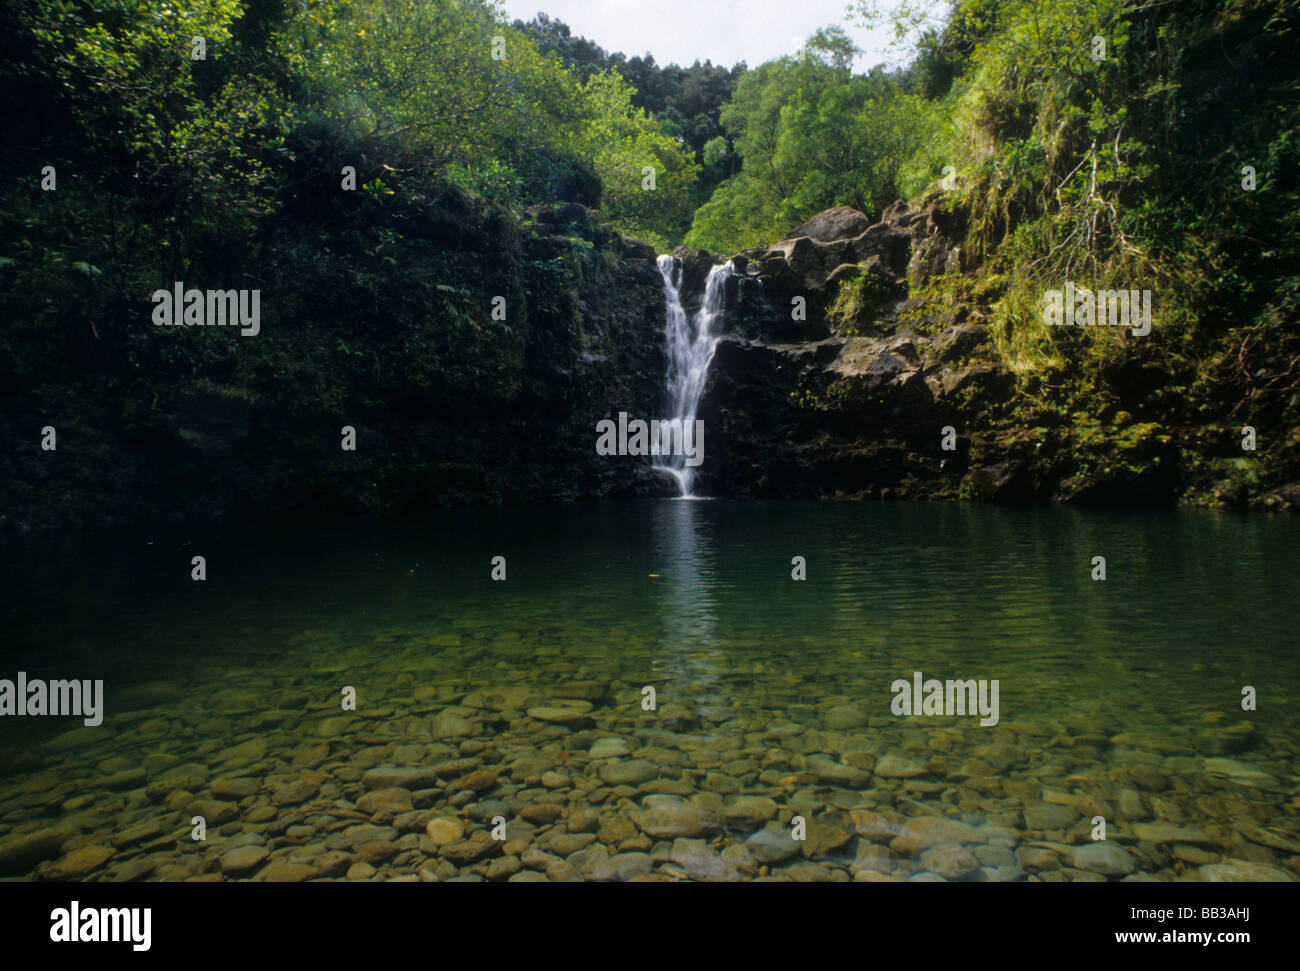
1119, 698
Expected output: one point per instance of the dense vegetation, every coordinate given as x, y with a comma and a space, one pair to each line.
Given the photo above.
1162, 159
686, 102
136, 164
1108, 143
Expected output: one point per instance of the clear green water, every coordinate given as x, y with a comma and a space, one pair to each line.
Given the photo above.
1097, 679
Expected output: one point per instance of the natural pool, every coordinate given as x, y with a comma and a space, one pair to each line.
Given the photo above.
521, 702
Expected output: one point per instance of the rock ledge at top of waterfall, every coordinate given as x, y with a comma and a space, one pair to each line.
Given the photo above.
905, 247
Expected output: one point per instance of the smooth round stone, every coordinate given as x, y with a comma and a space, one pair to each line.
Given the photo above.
126, 779
442, 832
503, 868
158, 761
773, 843
332, 863
189, 775
1243, 871
138, 833
234, 789
20, 853
824, 838
504, 699
698, 861
895, 767
609, 748
806, 802
750, 810
480, 780
1105, 858
250, 751
1264, 837
847, 799
486, 809
114, 763
670, 820
135, 869
1035, 858
588, 859
393, 800
839, 774
721, 784
624, 866
296, 792
1237, 771
243, 860
568, 715
1043, 815
630, 773
542, 814
952, 861
1194, 854
79, 862
452, 726
529, 876
814, 873
409, 778
998, 857
412, 754
377, 852
1169, 833
562, 844
842, 718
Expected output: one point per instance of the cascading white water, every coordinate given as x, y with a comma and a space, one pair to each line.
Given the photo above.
690, 349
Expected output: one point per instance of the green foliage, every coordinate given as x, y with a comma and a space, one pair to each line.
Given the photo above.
226, 172
741, 215
684, 101
1102, 142
856, 300
810, 137
628, 149
1115, 170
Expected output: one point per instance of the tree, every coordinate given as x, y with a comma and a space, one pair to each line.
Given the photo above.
810, 136
628, 148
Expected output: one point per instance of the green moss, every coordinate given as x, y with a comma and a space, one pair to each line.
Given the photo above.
858, 301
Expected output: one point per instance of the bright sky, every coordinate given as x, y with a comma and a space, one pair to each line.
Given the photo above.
723, 31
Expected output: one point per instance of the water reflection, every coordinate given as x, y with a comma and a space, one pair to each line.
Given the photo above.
689, 647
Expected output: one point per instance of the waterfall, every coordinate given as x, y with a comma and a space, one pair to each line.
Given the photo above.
690, 349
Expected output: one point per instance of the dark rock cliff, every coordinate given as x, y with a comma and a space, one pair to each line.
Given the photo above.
832, 382
253, 425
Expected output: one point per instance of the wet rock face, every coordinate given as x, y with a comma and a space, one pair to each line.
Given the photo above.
803, 401
768, 442
842, 222
842, 415
583, 340
695, 267
802, 263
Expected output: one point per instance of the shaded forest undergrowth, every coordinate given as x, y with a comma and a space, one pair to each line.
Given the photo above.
505, 166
